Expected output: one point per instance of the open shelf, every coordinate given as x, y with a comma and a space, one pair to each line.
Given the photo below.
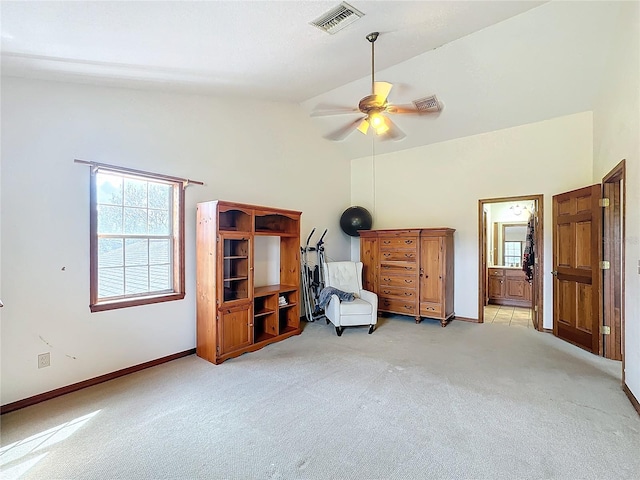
272, 289
288, 317
265, 317
274, 223
234, 220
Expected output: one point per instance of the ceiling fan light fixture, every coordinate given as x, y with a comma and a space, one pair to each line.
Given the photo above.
378, 123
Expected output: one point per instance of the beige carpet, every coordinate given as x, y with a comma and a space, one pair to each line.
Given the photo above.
409, 401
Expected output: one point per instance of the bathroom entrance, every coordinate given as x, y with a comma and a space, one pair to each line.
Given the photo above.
510, 253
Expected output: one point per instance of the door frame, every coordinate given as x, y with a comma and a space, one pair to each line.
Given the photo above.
537, 281
614, 278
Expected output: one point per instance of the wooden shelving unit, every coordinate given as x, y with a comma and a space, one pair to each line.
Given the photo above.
233, 315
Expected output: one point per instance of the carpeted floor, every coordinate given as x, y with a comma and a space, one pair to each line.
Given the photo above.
407, 402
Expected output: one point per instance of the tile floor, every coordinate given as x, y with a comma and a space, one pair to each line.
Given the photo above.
513, 316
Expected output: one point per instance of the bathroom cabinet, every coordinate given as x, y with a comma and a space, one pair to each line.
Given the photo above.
509, 286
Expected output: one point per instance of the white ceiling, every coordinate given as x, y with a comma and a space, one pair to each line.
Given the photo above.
493, 64
261, 49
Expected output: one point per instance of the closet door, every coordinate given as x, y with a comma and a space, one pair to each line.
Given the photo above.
431, 277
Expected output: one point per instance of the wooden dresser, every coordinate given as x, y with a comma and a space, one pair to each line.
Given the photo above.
411, 271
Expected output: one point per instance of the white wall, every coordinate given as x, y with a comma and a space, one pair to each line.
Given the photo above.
246, 151
617, 136
439, 185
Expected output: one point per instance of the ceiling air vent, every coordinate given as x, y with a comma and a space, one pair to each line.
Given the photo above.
337, 18
428, 104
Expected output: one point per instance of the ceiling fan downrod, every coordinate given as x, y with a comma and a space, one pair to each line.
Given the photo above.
372, 37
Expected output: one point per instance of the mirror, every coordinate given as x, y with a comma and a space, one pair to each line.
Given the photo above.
508, 242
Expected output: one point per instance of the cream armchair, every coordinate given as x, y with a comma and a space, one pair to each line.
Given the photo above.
347, 276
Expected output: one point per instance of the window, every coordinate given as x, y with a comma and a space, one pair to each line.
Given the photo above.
512, 254
137, 239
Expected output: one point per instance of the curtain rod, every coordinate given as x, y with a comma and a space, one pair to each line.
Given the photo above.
185, 181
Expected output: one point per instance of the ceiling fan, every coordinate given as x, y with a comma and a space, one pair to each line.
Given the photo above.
376, 106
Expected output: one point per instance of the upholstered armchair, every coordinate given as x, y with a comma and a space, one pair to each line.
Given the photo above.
363, 310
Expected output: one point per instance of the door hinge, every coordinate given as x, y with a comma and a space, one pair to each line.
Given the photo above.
217, 350
605, 265
603, 202
535, 308
605, 330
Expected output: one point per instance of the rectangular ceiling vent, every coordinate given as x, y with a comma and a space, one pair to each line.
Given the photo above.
337, 18
428, 104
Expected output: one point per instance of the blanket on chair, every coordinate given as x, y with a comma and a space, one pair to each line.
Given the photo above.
326, 292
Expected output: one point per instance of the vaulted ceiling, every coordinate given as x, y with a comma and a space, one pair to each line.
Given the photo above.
493, 64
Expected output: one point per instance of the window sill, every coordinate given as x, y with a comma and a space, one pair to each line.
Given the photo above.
134, 302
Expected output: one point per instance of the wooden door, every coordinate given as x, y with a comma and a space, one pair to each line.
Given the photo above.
235, 329
613, 252
496, 287
515, 288
431, 269
369, 259
577, 236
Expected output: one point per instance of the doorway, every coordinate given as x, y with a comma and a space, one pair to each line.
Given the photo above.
588, 266
510, 258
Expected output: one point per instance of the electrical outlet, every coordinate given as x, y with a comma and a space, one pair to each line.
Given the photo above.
44, 360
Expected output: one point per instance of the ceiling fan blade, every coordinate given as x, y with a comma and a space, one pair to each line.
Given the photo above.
343, 132
382, 89
364, 126
328, 110
395, 109
394, 132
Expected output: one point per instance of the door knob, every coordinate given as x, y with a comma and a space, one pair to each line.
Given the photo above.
554, 273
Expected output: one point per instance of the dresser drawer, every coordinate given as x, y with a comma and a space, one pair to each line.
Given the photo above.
403, 293
430, 309
393, 280
398, 268
397, 305
399, 256
387, 243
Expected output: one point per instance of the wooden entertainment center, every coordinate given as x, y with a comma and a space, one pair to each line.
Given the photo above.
234, 316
